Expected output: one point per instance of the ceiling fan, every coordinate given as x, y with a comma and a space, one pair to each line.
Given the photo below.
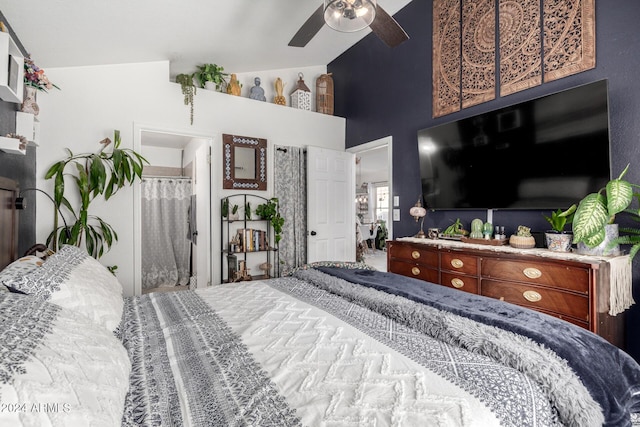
349, 16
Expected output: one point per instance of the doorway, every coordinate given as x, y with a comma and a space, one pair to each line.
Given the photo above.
373, 199
174, 153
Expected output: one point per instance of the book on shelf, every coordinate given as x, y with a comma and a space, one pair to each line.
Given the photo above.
251, 240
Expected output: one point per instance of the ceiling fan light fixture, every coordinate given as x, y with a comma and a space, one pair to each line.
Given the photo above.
349, 15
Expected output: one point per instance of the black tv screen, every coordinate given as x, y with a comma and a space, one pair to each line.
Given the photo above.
546, 153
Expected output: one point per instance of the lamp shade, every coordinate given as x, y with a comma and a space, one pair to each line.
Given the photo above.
417, 211
349, 15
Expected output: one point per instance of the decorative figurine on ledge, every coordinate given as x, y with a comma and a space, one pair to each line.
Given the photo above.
279, 98
257, 92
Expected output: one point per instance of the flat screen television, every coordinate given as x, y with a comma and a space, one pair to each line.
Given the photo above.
545, 153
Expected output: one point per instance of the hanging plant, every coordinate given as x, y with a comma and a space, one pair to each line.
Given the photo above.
188, 90
94, 174
269, 211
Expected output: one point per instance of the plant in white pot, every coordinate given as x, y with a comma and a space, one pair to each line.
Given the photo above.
594, 230
212, 77
557, 238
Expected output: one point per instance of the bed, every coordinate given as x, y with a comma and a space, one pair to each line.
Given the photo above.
333, 344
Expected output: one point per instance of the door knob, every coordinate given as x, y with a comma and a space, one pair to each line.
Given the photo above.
313, 233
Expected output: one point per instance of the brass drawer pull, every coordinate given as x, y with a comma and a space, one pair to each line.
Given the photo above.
457, 263
532, 273
415, 254
457, 283
532, 296
415, 271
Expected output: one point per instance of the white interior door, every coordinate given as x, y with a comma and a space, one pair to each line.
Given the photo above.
202, 186
330, 218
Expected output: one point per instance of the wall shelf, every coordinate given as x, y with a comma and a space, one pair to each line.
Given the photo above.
11, 70
11, 145
28, 126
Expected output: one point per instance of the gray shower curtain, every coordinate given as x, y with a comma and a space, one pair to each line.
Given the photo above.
291, 168
166, 249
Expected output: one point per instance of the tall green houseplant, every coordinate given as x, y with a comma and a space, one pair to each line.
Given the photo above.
99, 174
596, 210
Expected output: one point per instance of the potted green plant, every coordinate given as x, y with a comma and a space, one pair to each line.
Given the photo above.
212, 77
523, 238
269, 211
557, 238
594, 230
383, 234
94, 174
188, 90
225, 210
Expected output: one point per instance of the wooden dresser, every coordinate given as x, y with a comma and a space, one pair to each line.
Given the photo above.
570, 287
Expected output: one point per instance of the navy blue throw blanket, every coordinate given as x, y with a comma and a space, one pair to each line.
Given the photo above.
611, 375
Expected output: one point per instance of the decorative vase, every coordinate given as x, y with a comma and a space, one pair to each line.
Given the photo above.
29, 104
559, 242
611, 232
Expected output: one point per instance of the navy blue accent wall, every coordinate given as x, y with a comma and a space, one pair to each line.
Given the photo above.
383, 91
18, 167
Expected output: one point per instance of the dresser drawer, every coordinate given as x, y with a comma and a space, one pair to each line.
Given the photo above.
454, 261
414, 270
415, 254
556, 275
460, 282
536, 297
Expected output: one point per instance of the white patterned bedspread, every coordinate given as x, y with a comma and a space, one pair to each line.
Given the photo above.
306, 357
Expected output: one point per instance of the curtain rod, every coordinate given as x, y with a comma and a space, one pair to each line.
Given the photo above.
304, 150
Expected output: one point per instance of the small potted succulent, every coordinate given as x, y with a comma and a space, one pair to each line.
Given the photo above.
523, 238
557, 238
229, 211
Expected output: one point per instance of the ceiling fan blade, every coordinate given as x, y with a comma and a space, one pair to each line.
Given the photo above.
309, 29
387, 28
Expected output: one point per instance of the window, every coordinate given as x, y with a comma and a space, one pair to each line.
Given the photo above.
382, 203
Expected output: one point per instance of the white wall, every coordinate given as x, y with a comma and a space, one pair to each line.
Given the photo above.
93, 101
162, 156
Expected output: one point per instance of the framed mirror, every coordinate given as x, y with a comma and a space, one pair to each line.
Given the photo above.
244, 162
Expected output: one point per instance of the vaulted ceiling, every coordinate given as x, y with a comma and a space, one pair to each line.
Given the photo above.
240, 35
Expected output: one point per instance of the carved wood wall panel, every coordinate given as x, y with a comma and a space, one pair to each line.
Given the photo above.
520, 45
478, 52
569, 37
464, 48
446, 57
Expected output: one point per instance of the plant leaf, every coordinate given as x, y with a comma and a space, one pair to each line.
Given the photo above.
58, 189
591, 216
619, 195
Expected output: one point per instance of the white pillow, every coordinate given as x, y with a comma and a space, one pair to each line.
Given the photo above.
74, 280
18, 268
57, 368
